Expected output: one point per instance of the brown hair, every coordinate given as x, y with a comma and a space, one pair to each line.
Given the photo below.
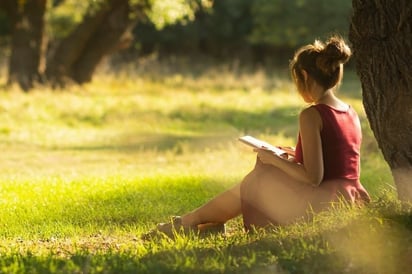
323, 62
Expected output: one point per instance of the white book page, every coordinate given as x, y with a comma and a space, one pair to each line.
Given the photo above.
256, 143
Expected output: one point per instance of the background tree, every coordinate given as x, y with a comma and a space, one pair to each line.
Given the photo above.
27, 60
381, 34
75, 35
219, 29
297, 22
105, 27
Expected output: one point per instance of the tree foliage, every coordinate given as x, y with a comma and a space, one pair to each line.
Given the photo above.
214, 26
222, 28
233, 26
86, 31
63, 16
295, 22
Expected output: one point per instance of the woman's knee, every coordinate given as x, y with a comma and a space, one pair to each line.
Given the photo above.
246, 183
259, 165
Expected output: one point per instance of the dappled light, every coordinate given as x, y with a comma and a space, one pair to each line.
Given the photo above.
118, 117
104, 163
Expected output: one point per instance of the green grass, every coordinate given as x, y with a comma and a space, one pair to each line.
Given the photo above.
85, 171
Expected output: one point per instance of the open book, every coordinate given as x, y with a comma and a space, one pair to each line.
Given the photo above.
256, 143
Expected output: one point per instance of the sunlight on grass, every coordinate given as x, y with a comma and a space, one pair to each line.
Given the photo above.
85, 171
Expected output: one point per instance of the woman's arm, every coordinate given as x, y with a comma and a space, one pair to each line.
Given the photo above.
311, 172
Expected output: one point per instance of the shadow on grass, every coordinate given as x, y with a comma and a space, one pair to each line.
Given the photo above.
260, 254
267, 255
357, 246
374, 243
207, 125
158, 142
283, 119
361, 247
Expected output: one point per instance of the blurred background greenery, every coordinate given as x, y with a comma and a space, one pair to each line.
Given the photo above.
250, 31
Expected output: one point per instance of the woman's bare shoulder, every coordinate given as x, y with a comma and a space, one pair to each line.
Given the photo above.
309, 112
310, 115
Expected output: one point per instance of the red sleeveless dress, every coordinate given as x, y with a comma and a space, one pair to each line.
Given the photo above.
341, 137
341, 141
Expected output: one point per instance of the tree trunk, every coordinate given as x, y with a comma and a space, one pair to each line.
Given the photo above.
100, 33
106, 39
381, 36
70, 48
27, 60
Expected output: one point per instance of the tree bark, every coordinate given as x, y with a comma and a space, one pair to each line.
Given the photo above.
101, 33
27, 60
69, 50
381, 36
105, 40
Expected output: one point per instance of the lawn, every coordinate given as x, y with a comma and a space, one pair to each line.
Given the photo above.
86, 170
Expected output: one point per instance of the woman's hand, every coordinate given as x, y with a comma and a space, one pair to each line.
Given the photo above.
267, 156
289, 150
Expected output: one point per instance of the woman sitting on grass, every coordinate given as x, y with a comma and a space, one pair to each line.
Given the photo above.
324, 167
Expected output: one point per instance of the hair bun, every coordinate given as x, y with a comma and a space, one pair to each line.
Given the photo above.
335, 53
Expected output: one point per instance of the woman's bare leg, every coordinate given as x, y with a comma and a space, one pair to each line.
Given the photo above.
273, 197
220, 209
223, 207
268, 190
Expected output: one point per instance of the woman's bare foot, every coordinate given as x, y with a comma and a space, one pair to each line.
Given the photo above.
176, 226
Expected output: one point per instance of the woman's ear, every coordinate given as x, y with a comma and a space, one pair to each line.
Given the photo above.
305, 75
306, 80
308, 84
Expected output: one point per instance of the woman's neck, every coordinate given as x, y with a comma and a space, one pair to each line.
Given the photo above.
328, 98
323, 96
